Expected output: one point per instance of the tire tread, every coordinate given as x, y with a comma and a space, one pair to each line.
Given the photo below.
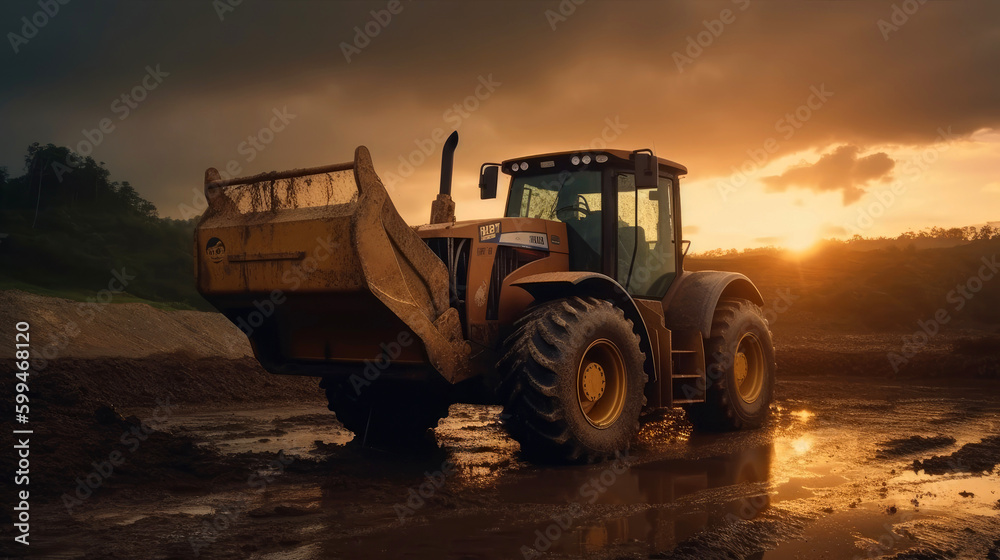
533, 409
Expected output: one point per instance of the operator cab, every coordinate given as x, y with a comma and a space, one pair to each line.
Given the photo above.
595, 194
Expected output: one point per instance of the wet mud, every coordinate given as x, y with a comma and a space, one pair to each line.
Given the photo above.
845, 469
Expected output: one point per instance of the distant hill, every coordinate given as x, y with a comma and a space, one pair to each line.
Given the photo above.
70, 231
844, 288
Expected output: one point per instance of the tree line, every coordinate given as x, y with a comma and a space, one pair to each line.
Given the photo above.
68, 226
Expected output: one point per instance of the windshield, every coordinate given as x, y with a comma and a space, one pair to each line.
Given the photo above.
555, 196
572, 197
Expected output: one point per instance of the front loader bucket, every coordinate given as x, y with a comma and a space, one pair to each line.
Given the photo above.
324, 276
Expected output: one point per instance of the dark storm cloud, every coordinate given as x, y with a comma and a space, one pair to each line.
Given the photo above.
840, 170
606, 60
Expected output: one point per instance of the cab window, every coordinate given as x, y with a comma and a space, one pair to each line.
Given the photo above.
645, 244
572, 197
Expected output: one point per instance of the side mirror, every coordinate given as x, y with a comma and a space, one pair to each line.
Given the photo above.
646, 170
488, 178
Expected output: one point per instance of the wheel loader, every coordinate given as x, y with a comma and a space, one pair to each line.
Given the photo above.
572, 310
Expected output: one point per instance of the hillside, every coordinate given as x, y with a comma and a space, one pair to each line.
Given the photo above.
77, 234
889, 289
63, 328
74, 233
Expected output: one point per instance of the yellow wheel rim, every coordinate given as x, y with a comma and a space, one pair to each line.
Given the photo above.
748, 368
601, 383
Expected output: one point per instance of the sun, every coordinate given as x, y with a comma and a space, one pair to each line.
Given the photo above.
803, 231
800, 243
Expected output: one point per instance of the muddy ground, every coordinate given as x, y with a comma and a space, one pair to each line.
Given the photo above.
848, 467
158, 436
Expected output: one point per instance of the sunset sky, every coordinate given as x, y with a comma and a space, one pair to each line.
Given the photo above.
797, 120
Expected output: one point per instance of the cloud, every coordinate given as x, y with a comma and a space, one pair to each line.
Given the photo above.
227, 75
840, 170
771, 240
692, 230
830, 230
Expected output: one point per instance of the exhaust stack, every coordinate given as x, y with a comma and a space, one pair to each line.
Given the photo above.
443, 207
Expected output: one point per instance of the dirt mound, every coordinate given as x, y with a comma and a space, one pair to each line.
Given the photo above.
913, 444
140, 382
91, 361
63, 328
83, 444
972, 457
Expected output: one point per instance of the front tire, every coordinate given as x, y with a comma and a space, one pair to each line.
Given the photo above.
740, 370
573, 381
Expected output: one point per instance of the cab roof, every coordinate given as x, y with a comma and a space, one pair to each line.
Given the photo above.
564, 160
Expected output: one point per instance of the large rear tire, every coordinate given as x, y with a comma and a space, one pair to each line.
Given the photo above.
573, 381
390, 414
740, 370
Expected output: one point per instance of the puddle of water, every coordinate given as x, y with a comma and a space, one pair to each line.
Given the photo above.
477, 445
802, 415
579, 510
808, 480
295, 437
944, 493
655, 482
677, 499
306, 552
864, 532
129, 517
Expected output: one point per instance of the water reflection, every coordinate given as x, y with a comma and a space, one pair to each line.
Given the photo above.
801, 445
802, 415
675, 501
631, 507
